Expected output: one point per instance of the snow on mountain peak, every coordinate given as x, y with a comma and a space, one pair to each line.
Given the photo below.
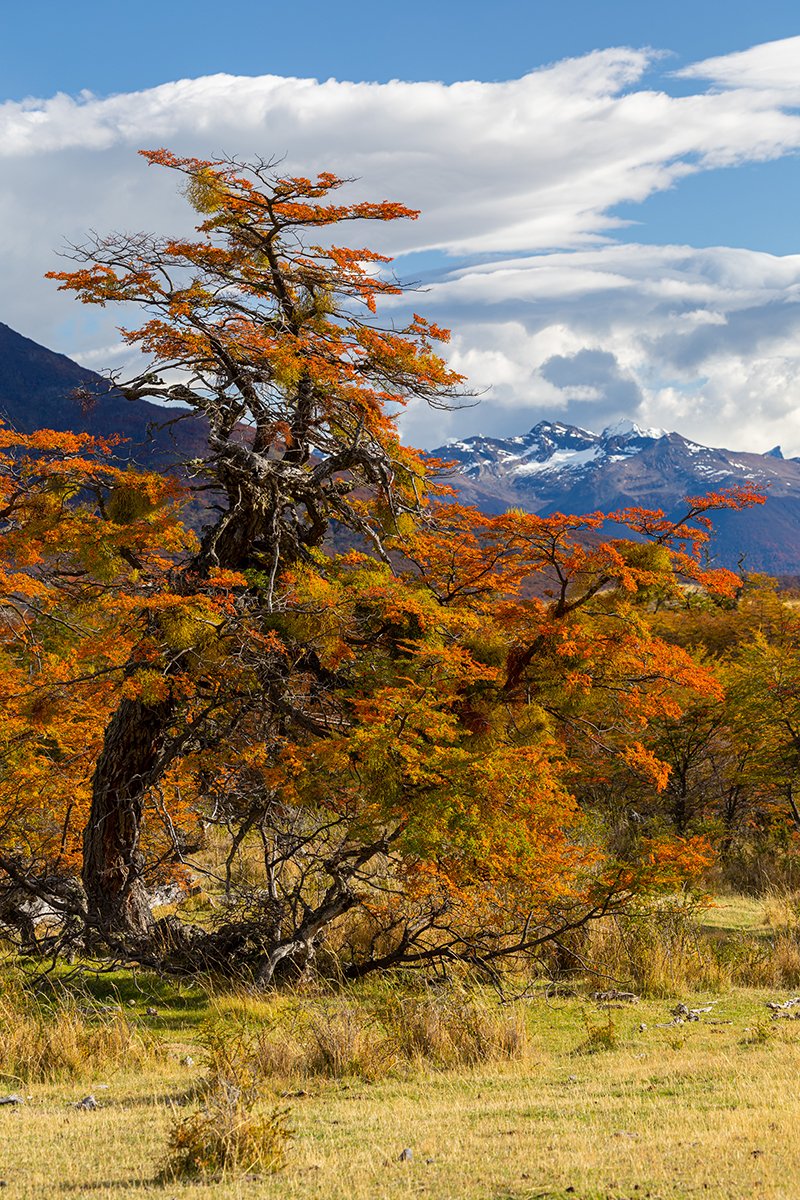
627, 428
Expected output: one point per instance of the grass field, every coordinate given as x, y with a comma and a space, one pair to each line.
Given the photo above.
696, 1109
596, 1103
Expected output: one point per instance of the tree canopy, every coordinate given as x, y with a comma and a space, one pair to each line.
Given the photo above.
357, 716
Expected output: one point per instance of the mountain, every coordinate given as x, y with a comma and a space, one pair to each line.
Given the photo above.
554, 468
38, 391
562, 468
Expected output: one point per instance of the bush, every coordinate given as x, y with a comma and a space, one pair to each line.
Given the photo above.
347, 1040
228, 1136
665, 952
659, 954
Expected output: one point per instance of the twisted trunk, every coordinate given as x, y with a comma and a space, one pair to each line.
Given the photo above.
260, 526
112, 863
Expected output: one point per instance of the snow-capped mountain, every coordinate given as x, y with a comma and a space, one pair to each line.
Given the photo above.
549, 447
562, 468
555, 467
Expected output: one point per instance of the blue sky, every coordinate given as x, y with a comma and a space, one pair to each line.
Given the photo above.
109, 46
631, 209
112, 46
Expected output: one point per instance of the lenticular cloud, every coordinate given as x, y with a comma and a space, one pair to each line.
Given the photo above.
528, 167
773, 66
528, 164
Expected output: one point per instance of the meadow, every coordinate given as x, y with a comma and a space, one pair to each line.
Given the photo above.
402, 1089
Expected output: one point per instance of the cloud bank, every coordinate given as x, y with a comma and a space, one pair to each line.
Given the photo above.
518, 182
703, 341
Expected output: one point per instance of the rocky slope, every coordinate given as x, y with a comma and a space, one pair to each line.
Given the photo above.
561, 468
39, 390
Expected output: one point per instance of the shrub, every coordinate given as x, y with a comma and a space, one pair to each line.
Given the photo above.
598, 1038
659, 954
758, 1035
368, 1037
229, 1136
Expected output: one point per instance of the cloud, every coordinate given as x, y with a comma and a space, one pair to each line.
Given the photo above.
772, 66
517, 182
592, 380
704, 341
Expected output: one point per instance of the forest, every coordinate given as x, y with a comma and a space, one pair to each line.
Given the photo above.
293, 717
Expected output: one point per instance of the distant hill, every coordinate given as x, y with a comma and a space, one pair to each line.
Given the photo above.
562, 468
37, 391
553, 468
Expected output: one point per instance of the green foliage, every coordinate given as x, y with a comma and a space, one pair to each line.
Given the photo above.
126, 504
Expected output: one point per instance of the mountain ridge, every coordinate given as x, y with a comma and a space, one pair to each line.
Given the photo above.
554, 467
557, 467
41, 389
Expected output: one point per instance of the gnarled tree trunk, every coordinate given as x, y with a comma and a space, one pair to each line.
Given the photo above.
134, 756
112, 863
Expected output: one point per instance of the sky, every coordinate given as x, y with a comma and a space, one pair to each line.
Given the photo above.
609, 190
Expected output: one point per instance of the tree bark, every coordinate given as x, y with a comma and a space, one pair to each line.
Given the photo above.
132, 758
112, 864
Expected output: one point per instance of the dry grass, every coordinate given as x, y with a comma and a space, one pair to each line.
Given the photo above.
703, 1108
230, 1135
664, 955
387, 1033
66, 1040
781, 908
453, 1027
676, 951
559, 1098
730, 912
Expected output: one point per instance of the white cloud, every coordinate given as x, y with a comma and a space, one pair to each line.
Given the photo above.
528, 171
772, 66
708, 340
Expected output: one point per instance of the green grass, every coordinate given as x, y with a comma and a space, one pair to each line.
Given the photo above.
735, 914
180, 1005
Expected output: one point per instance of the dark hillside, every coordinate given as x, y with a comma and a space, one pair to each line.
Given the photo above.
38, 391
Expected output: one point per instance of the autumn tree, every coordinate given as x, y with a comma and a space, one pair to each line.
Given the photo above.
733, 756
385, 740
85, 546
272, 339
762, 681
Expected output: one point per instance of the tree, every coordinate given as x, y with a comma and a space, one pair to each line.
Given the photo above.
384, 742
273, 340
84, 548
733, 758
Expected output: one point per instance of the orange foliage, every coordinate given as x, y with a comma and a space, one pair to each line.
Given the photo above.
85, 546
432, 708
